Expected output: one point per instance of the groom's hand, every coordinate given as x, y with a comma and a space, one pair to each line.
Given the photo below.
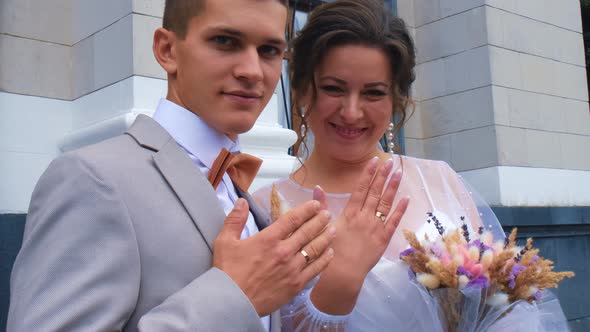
270, 267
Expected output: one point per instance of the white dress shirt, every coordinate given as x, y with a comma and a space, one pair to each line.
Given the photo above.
203, 144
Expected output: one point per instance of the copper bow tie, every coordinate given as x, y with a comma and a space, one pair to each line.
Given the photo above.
241, 168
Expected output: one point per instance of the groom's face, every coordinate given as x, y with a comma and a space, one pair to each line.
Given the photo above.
230, 61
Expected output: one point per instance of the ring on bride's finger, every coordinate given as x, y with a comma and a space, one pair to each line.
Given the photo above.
305, 255
381, 216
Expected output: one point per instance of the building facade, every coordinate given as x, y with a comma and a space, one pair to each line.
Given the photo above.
501, 95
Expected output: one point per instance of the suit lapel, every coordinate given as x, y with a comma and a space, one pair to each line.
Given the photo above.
183, 176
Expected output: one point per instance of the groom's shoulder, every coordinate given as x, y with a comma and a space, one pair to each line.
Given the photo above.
114, 155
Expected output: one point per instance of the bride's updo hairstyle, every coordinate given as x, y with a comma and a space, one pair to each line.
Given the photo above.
352, 22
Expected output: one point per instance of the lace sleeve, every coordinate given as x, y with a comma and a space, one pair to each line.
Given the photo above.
302, 315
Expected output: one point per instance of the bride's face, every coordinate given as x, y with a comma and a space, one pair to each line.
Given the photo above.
354, 103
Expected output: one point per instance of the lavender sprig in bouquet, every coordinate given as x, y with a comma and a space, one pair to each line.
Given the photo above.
473, 280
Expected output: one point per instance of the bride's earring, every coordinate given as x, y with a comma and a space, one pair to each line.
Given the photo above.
389, 138
303, 127
302, 130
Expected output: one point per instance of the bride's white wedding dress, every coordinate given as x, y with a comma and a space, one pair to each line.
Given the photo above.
388, 300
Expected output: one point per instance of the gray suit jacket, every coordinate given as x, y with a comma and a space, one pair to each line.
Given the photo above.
119, 236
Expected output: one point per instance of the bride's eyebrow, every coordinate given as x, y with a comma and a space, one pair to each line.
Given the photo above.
332, 78
376, 84
343, 82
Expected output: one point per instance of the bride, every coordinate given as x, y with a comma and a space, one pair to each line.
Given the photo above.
351, 71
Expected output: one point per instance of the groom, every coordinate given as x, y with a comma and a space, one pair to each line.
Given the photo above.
139, 232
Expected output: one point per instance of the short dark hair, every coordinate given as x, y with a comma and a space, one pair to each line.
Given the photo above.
353, 22
178, 14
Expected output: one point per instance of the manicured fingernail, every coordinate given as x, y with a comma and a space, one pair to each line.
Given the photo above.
316, 205
397, 175
373, 163
239, 204
331, 230
330, 252
388, 166
318, 193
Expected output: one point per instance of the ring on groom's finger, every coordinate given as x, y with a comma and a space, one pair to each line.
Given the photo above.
381, 216
305, 255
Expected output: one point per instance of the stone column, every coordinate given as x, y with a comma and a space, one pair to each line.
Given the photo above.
502, 97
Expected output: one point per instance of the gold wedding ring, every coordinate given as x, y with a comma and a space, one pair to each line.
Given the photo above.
381, 216
305, 255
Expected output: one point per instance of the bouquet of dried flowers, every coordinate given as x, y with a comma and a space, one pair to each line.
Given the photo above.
474, 279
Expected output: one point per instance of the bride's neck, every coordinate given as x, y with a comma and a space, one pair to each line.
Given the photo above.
334, 176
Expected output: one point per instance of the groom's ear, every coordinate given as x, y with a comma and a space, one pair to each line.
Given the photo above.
164, 48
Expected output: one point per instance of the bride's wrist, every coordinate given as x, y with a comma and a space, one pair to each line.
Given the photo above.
337, 290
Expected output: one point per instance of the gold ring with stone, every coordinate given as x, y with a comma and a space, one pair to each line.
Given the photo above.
305, 255
381, 216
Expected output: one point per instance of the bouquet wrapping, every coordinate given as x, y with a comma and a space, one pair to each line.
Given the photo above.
472, 282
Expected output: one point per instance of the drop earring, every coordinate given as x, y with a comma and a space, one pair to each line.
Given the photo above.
303, 127
389, 138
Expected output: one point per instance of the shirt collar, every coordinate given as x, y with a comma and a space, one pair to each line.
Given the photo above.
192, 133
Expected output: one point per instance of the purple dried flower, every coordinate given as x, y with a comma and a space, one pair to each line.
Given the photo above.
436, 250
465, 231
536, 258
538, 295
506, 240
432, 219
516, 269
520, 254
462, 271
479, 282
407, 252
512, 283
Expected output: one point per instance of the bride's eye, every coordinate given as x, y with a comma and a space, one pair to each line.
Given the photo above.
331, 89
375, 94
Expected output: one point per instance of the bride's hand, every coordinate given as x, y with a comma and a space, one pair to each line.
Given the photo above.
366, 225
363, 231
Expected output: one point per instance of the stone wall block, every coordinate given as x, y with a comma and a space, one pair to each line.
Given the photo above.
544, 149
473, 149
40, 20
144, 62
32, 67
149, 7
466, 110
563, 13
574, 149
512, 146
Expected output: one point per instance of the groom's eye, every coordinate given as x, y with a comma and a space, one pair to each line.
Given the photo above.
225, 42
269, 51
